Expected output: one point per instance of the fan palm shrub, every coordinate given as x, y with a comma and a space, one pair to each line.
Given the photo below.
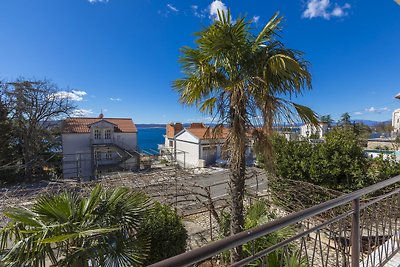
68, 229
258, 214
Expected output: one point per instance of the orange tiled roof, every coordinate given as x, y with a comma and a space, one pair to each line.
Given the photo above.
197, 125
203, 132
81, 125
207, 133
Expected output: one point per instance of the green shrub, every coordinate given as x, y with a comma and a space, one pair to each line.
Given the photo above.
166, 232
257, 214
338, 164
381, 168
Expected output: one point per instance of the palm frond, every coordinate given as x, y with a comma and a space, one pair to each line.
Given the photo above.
306, 114
24, 216
71, 230
269, 29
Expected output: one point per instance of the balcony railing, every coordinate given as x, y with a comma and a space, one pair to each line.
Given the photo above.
356, 229
123, 145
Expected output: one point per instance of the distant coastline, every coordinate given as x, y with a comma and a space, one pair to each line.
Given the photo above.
148, 126
370, 123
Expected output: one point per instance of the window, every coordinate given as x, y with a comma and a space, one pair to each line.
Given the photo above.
97, 134
97, 155
171, 143
107, 134
108, 154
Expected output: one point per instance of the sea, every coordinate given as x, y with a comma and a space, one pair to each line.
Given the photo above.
149, 138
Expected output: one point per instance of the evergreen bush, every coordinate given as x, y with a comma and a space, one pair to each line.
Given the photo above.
166, 232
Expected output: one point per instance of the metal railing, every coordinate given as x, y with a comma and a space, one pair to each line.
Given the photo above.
361, 228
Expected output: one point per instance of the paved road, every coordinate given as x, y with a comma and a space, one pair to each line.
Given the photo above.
187, 193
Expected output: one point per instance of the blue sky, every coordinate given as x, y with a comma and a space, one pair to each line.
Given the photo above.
120, 56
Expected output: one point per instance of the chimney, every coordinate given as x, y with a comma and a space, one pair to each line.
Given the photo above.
178, 127
196, 125
173, 129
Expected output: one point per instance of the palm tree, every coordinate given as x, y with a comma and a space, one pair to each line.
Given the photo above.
70, 230
327, 119
345, 119
240, 77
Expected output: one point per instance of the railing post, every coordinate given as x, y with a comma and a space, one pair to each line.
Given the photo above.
355, 234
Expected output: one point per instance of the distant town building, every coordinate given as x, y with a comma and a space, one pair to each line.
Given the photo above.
93, 145
396, 122
310, 130
197, 145
291, 133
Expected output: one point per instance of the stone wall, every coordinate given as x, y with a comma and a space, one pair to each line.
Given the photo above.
374, 144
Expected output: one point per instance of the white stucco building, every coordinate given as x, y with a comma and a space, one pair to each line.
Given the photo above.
93, 145
290, 133
197, 145
396, 122
309, 130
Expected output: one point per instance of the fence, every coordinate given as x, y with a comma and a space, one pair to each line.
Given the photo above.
356, 229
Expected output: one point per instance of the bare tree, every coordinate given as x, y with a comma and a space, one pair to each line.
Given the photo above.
5, 129
34, 107
5, 133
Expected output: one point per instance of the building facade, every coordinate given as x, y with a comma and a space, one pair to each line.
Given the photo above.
94, 145
197, 145
313, 131
396, 122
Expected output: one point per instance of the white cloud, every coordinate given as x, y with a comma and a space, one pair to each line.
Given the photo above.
358, 113
215, 6
322, 8
340, 11
172, 8
98, 1
82, 112
72, 95
198, 13
256, 19
115, 99
377, 110
169, 10
337, 12
202, 119
316, 8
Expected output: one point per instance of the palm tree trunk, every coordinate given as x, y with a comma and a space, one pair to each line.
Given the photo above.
237, 208
237, 144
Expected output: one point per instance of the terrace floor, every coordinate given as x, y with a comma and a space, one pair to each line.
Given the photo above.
394, 262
